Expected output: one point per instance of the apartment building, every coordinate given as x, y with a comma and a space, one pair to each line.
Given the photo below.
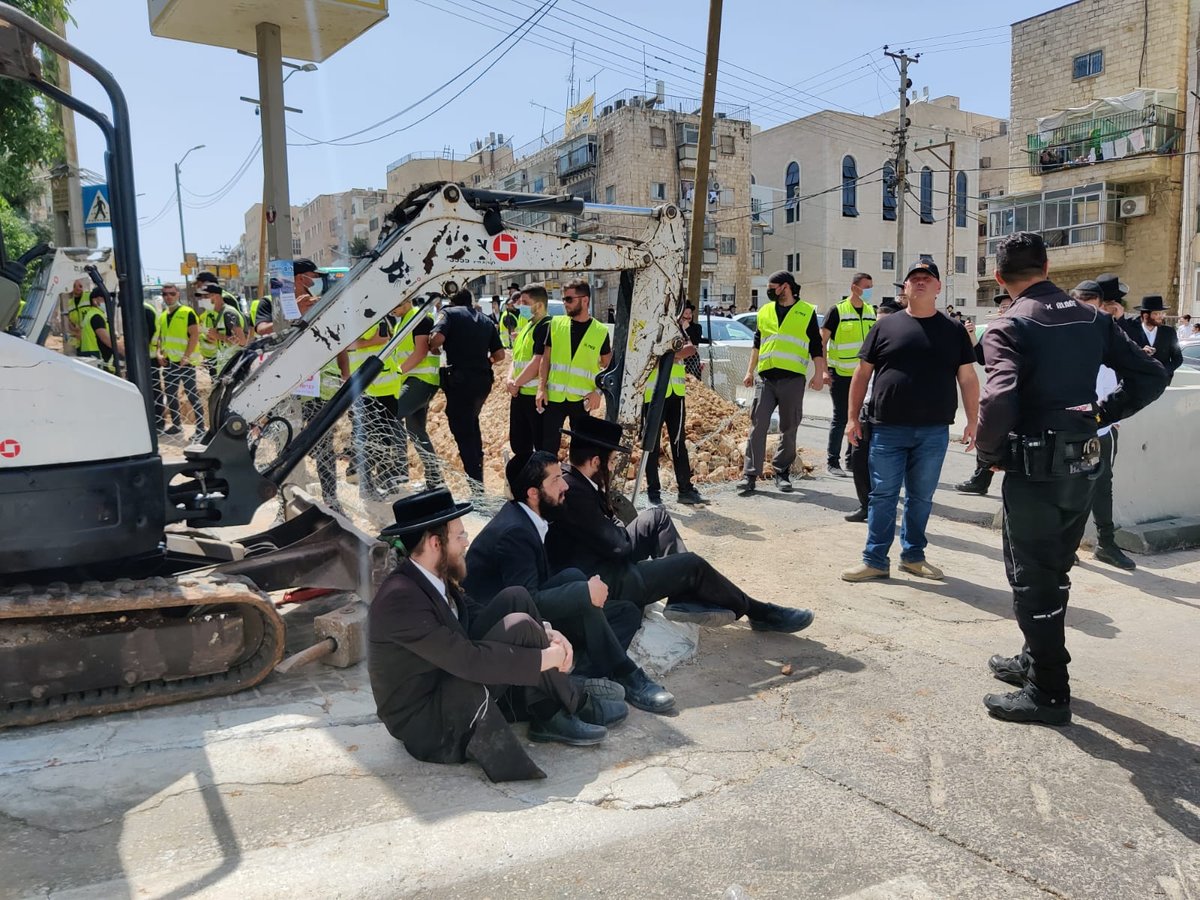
834, 174
246, 253
329, 225
487, 157
1095, 160
642, 150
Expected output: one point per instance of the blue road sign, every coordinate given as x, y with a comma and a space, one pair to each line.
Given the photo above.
97, 212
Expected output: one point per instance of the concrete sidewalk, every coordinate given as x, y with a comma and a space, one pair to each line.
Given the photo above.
871, 771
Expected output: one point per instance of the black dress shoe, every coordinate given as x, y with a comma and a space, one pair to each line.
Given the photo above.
748, 484
1113, 556
596, 711
859, 515
699, 614
971, 486
643, 693
602, 688
782, 619
566, 729
1012, 670
783, 481
690, 497
654, 498
1019, 706
174, 429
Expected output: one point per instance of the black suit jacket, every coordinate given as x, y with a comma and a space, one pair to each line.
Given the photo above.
418, 656
509, 553
585, 537
1166, 346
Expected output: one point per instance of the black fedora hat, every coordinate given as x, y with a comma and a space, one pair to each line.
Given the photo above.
597, 432
417, 513
1152, 303
1111, 287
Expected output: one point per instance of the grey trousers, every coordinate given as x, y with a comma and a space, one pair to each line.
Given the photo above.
787, 394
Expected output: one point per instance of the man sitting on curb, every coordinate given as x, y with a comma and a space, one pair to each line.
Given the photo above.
645, 561
509, 551
438, 670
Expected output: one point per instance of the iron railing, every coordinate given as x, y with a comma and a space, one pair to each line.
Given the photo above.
1152, 129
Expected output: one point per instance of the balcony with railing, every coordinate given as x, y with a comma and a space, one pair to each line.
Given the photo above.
1081, 226
1132, 144
576, 156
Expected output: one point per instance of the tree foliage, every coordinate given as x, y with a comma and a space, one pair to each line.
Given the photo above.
29, 132
359, 246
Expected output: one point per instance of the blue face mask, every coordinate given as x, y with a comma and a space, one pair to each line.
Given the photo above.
866, 294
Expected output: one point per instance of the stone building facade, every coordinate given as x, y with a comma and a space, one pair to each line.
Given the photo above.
1101, 181
329, 223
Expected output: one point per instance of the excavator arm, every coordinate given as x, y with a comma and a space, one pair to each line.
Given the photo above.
439, 232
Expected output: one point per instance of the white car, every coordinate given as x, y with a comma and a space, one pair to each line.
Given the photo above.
1191, 353
750, 319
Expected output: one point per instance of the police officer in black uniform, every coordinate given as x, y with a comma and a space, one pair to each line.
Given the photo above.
471, 345
1037, 420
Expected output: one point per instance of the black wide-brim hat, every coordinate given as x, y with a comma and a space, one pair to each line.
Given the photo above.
598, 433
1111, 287
418, 513
1152, 303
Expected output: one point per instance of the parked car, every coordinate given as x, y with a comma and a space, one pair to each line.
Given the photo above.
750, 319
1191, 353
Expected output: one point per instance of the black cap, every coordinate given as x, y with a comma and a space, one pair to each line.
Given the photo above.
212, 289
1111, 287
302, 266
1001, 298
923, 266
597, 432
417, 513
1088, 287
206, 277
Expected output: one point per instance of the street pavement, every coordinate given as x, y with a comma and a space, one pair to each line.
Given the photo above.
870, 771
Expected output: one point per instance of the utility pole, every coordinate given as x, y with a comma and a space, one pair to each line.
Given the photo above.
704, 153
179, 205
902, 59
948, 280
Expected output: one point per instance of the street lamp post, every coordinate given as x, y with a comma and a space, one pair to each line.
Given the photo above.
179, 201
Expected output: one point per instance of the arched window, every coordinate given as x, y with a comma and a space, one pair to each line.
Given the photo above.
960, 200
791, 183
889, 193
849, 186
927, 195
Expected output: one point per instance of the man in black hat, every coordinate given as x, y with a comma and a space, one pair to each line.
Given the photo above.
470, 345
304, 271
439, 665
786, 341
647, 560
1156, 340
1112, 301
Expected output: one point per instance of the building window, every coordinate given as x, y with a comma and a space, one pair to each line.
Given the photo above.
927, 195
687, 191
1088, 64
658, 136
791, 260
726, 144
791, 183
888, 262
960, 301
295, 246
727, 197
539, 184
689, 133
849, 186
610, 194
849, 259
658, 190
960, 200
727, 246
373, 225
728, 295
889, 193
608, 142
960, 265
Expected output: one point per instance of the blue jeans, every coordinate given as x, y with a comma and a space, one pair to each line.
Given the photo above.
910, 455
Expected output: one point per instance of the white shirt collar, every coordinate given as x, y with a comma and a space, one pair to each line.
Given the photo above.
539, 523
438, 585
585, 478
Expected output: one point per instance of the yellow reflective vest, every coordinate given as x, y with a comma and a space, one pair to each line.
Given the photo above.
387, 382
173, 331
573, 377
210, 318
785, 346
677, 387
427, 369
852, 328
522, 353
89, 341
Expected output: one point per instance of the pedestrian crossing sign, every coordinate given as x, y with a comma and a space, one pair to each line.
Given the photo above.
97, 212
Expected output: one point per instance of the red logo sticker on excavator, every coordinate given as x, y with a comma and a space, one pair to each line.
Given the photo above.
504, 247
10, 449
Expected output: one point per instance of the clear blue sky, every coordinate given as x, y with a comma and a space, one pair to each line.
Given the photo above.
782, 58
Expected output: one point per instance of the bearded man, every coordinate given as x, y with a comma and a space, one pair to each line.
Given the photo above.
442, 668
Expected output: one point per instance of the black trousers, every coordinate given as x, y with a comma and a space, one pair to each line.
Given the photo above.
177, 375
513, 618
599, 653
1102, 500
675, 418
464, 403
160, 399
554, 417
839, 390
859, 468
524, 426
412, 412
1043, 522
322, 453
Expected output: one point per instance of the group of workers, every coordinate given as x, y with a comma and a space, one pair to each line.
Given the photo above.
534, 618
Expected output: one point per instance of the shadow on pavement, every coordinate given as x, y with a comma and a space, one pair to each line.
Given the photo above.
1170, 589
1165, 768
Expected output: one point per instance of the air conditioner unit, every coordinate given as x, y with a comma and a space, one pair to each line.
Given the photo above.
985, 162
1134, 206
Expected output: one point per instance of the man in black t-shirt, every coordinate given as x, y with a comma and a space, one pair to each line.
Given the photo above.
920, 359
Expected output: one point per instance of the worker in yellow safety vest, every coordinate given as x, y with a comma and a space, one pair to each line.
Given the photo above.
579, 350
529, 345
842, 334
95, 337
376, 431
674, 416
178, 334
78, 302
417, 369
222, 327
787, 345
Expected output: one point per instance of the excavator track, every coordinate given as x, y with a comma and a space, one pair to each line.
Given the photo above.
103, 647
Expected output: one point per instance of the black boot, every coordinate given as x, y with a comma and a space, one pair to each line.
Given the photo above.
1020, 706
859, 515
1012, 670
1108, 552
